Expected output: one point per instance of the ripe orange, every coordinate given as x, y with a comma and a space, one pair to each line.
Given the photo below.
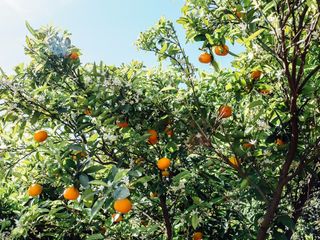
280, 142
116, 217
247, 145
169, 132
163, 163
35, 190
87, 112
165, 173
205, 58
71, 193
40, 135
225, 111
234, 162
153, 139
122, 124
153, 133
221, 50
74, 56
122, 205
255, 75
197, 236
264, 91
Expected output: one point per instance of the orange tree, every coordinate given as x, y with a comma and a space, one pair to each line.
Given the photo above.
134, 153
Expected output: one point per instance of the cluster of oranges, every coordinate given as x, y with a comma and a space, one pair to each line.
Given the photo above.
70, 193
221, 50
122, 206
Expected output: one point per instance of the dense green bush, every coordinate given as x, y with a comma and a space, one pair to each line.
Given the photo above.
253, 175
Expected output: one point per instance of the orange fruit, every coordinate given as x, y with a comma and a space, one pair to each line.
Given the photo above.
163, 163
116, 217
122, 124
122, 205
221, 50
197, 236
35, 190
153, 133
234, 162
74, 56
169, 132
255, 75
280, 142
71, 193
153, 139
165, 173
205, 58
225, 111
247, 145
40, 135
265, 91
87, 112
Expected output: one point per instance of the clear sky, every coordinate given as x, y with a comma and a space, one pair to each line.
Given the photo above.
103, 29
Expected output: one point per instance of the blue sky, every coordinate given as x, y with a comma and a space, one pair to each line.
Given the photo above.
103, 29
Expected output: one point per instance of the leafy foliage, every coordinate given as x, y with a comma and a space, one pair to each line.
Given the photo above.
81, 106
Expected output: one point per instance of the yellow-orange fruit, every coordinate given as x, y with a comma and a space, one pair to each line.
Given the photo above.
74, 56
40, 136
234, 162
122, 205
35, 190
221, 50
197, 236
205, 58
256, 74
225, 111
71, 193
163, 163
116, 217
165, 173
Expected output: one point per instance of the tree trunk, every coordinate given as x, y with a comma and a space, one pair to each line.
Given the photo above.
166, 216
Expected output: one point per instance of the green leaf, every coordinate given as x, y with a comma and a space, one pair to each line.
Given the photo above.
210, 39
96, 207
164, 48
143, 180
168, 88
84, 180
228, 86
120, 174
182, 20
195, 221
254, 35
99, 182
76, 147
121, 192
93, 137
96, 236
215, 65
94, 168
255, 103
30, 29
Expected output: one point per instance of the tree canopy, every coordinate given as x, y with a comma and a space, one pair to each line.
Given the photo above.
90, 151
